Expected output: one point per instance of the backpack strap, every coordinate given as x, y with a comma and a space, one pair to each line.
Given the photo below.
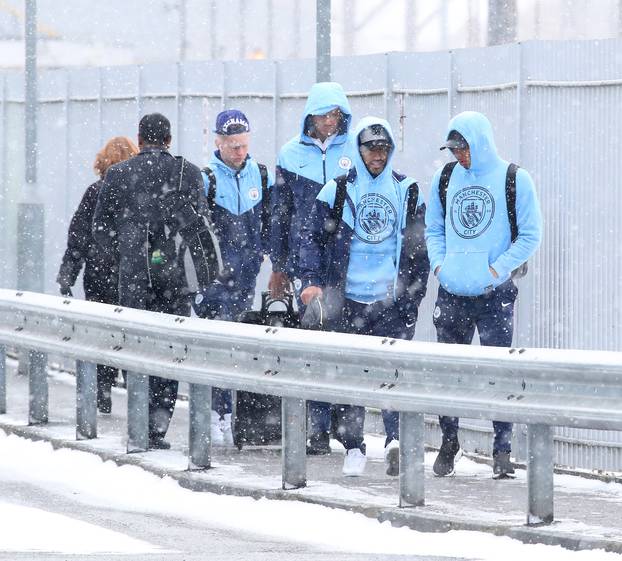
263, 172
211, 189
413, 199
332, 222
510, 199
340, 198
181, 172
444, 183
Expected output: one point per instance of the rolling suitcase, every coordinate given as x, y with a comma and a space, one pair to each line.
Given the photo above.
257, 417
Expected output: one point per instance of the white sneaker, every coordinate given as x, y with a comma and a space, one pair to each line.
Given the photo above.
354, 463
216, 430
227, 432
392, 458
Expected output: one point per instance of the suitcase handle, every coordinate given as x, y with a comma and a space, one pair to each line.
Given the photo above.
267, 301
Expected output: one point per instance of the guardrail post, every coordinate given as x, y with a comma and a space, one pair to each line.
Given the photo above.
37, 388
412, 455
200, 438
539, 474
22, 362
294, 442
2, 379
137, 412
86, 400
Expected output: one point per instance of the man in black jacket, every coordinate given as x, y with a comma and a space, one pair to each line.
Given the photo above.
144, 203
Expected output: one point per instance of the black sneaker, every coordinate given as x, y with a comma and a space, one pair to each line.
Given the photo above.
158, 443
392, 458
448, 455
104, 405
104, 400
502, 466
319, 444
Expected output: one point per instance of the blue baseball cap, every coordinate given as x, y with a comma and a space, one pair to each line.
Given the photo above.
231, 121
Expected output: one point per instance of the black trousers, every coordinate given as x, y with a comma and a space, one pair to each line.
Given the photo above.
105, 377
162, 399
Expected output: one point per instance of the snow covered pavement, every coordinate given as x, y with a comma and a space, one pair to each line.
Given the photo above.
587, 511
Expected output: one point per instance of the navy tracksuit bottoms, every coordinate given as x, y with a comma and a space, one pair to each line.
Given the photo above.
383, 320
455, 319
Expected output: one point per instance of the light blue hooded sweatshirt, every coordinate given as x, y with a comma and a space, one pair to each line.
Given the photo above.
379, 204
475, 235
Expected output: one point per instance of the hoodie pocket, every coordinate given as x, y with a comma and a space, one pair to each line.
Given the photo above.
466, 273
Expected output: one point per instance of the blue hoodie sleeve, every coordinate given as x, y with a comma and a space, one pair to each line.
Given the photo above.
529, 222
435, 226
313, 249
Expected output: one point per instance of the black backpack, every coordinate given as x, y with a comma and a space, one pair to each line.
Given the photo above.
181, 214
510, 199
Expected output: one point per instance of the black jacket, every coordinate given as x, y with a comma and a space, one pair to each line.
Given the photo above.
144, 203
100, 269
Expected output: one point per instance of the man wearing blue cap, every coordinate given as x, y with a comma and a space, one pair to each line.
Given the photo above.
237, 190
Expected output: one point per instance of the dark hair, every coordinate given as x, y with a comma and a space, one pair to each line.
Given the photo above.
154, 128
309, 126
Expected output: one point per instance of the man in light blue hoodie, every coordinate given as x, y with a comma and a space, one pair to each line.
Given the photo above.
319, 153
482, 223
364, 260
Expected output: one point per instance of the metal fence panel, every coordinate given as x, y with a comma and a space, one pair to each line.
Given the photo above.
554, 111
577, 269
293, 80
13, 180
3, 174
250, 87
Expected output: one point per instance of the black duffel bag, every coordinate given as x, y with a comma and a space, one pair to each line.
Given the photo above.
257, 417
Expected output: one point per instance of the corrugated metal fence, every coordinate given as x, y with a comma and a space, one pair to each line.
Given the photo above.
555, 111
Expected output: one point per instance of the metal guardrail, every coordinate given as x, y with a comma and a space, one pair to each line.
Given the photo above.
541, 388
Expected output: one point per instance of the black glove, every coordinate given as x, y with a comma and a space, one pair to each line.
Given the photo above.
408, 308
65, 290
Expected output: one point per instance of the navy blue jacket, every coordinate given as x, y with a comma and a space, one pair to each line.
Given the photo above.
236, 216
303, 168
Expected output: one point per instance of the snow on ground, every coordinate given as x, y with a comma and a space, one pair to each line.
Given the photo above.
467, 467
88, 479
375, 451
56, 533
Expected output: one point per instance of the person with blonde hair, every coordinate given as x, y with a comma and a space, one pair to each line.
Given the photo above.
101, 273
